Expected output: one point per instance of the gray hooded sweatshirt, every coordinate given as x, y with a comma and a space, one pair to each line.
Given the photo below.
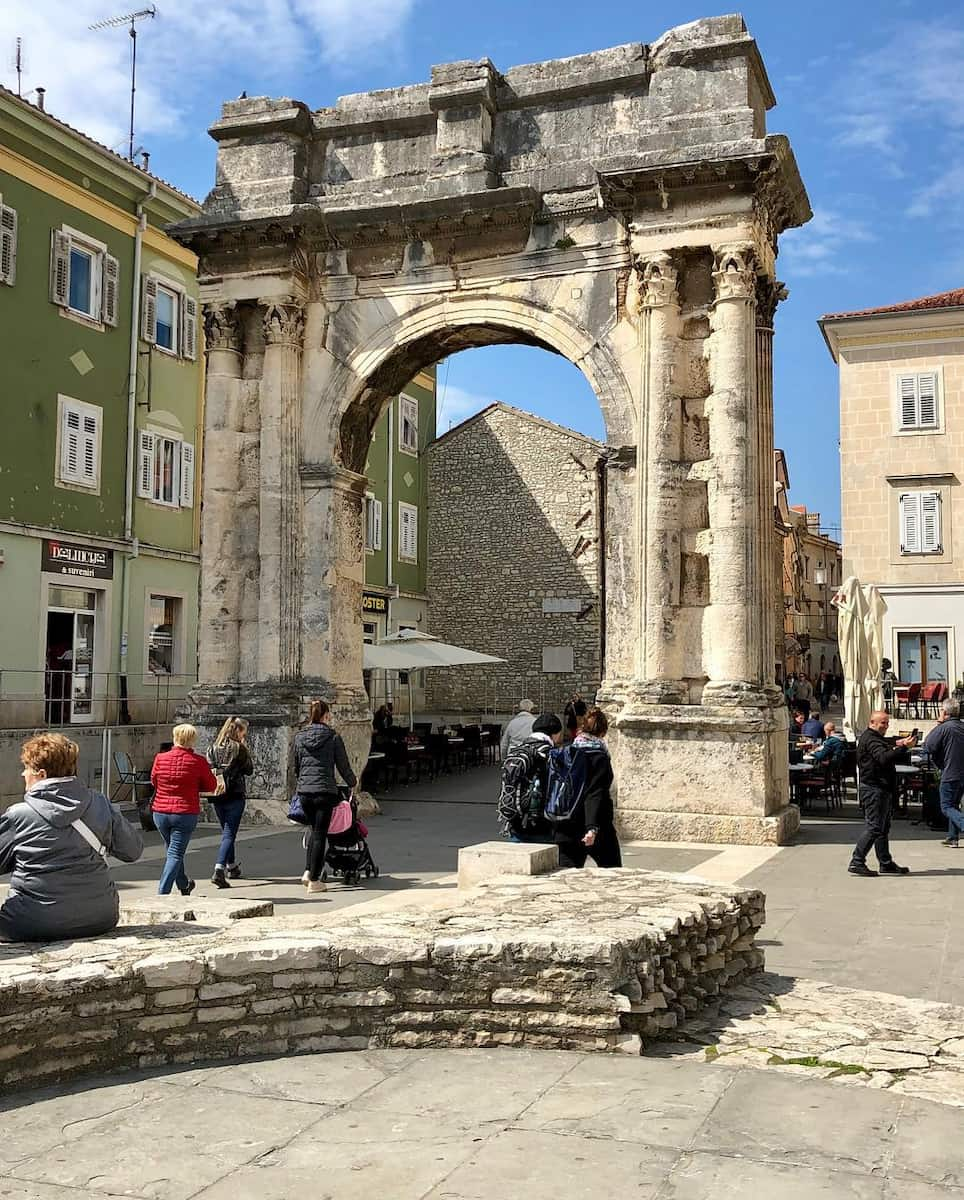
60, 887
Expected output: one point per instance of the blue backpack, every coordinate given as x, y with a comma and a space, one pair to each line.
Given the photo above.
567, 782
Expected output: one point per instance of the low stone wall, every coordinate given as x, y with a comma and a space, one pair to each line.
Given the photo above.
589, 960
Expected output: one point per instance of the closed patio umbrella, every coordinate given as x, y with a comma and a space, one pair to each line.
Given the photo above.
851, 610
411, 650
874, 637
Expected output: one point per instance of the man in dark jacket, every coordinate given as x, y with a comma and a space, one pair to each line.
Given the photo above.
945, 745
525, 771
876, 763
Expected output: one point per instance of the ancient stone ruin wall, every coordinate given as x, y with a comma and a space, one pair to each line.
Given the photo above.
514, 560
589, 960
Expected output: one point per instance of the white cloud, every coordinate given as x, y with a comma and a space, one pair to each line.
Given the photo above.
457, 404
822, 247
87, 73
942, 196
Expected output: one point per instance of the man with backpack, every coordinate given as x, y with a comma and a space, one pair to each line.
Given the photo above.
579, 802
524, 778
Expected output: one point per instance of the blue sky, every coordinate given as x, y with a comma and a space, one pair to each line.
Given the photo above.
869, 93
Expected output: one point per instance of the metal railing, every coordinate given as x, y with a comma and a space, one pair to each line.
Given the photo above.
64, 698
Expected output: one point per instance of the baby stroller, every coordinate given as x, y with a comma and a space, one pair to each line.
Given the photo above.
347, 853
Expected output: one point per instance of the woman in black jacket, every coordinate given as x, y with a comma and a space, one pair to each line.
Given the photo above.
230, 757
591, 829
318, 752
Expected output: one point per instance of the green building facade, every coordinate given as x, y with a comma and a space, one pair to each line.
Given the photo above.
396, 529
101, 389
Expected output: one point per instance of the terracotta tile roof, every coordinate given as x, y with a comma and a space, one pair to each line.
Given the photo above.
98, 145
954, 299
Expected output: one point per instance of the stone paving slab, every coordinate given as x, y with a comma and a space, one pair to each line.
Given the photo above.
474, 1125
800, 1027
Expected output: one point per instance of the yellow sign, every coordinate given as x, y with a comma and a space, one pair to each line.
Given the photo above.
374, 604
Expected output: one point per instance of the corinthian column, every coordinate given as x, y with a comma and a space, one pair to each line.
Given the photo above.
220, 607
734, 638
659, 661
279, 608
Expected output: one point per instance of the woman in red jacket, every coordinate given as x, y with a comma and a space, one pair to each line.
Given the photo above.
179, 777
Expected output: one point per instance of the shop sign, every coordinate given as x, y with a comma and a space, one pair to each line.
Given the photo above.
79, 562
374, 604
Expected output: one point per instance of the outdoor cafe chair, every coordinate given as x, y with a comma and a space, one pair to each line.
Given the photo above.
129, 776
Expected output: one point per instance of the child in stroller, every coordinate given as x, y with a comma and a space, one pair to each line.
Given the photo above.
347, 853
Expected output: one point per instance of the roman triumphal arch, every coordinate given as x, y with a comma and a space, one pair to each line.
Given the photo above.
622, 209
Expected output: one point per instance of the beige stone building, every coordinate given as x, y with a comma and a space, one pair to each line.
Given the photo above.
514, 567
812, 574
902, 446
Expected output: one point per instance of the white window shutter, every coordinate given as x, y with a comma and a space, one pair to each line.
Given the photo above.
8, 244
907, 386
376, 524
70, 452
110, 297
59, 267
930, 504
145, 465
910, 523
927, 394
187, 475
149, 310
89, 445
189, 327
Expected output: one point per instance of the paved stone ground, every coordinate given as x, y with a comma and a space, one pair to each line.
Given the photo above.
475, 1125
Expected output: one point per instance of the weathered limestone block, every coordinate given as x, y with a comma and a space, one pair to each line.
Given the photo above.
489, 859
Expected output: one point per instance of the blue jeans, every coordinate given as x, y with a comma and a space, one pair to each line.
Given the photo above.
229, 815
951, 793
176, 830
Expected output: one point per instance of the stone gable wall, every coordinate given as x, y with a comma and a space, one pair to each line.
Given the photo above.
513, 523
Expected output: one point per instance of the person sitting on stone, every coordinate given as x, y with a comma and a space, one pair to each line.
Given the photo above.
519, 728
813, 728
55, 844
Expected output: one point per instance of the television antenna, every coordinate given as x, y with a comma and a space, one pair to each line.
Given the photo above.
113, 23
18, 64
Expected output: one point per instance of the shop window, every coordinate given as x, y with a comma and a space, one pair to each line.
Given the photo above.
84, 278
922, 657
168, 317
163, 634
165, 470
373, 524
408, 424
407, 532
79, 448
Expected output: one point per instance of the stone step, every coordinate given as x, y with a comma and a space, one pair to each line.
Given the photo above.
159, 910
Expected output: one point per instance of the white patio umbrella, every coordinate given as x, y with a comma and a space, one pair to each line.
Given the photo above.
411, 650
851, 610
874, 638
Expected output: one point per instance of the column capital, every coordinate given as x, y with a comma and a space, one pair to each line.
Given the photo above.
734, 271
769, 293
222, 326
283, 321
657, 279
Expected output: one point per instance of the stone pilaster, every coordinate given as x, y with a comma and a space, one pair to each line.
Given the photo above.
220, 601
659, 655
279, 609
769, 294
733, 644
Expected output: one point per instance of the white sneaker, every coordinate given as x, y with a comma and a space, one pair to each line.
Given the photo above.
305, 877
315, 885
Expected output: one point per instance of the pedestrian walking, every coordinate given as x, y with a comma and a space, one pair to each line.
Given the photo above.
518, 729
229, 756
179, 776
876, 763
318, 752
55, 843
945, 745
525, 772
588, 829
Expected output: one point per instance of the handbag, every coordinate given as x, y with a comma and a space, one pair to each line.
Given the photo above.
296, 811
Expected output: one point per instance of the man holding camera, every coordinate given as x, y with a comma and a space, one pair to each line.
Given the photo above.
876, 763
